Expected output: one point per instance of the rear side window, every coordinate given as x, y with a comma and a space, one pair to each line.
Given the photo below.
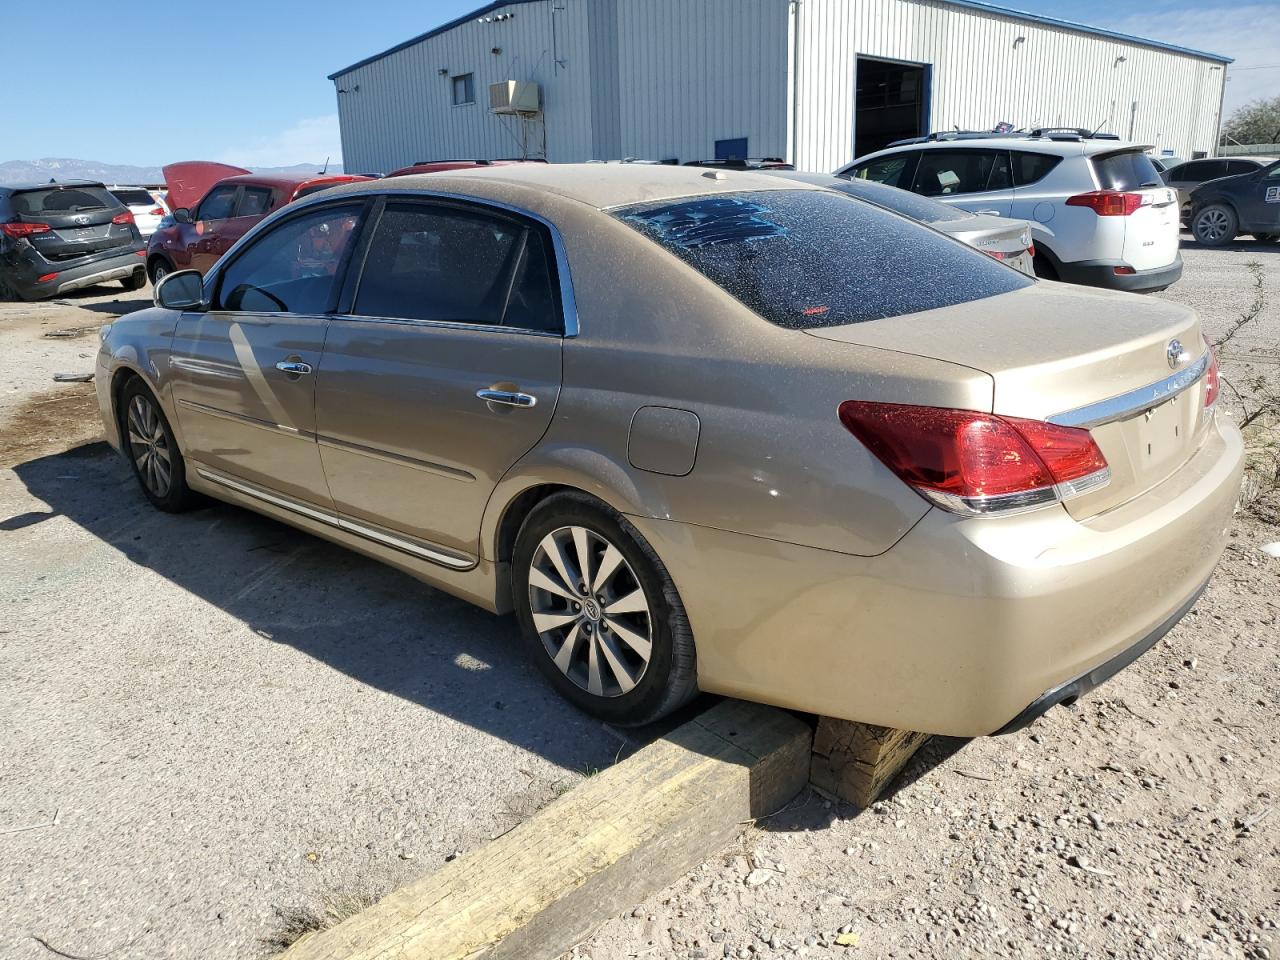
459, 266
945, 173
1130, 170
134, 198
292, 268
815, 258
1029, 168
254, 202
63, 200
893, 171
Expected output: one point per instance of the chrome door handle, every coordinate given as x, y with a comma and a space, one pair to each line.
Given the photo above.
293, 366
508, 398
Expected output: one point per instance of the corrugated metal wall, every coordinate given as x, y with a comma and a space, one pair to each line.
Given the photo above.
1054, 77
667, 78
404, 108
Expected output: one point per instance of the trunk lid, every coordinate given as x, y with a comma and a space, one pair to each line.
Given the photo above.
1078, 357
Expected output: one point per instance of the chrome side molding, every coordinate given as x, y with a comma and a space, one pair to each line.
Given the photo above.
1135, 401
413, 547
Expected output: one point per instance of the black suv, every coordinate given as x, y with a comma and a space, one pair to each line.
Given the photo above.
56, 237
1246, 203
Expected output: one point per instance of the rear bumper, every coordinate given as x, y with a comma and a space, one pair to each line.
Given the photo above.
1102, 273
23, 273
965, 621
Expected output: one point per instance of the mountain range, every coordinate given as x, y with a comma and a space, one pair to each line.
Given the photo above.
58, 168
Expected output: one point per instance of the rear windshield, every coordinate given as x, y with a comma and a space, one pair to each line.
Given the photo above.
1130, 170
814, 258
134, 198
901, 201
63, 200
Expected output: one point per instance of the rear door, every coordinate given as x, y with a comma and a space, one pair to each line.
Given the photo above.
978, 180
1151, 231
443, 372
73, 222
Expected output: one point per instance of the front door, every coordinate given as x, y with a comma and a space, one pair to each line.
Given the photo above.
443, 373
1260, 204
214, 210
244, 372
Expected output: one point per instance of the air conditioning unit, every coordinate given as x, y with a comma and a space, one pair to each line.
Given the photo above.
514, 96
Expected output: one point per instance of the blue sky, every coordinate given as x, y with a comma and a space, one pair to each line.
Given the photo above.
245, 81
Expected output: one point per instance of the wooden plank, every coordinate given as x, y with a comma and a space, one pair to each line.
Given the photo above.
613, 840
856, 761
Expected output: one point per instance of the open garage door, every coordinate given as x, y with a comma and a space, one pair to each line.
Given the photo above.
891, 103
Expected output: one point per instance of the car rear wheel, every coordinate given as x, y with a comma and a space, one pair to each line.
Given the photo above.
1267, 237
600, 614
1215, 225
160, 268
152, 450
136, 280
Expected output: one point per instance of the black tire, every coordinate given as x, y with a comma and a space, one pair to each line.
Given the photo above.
1267, 237
1215, 225
6, 292
669, 679
136, 280
145, 440
157, 269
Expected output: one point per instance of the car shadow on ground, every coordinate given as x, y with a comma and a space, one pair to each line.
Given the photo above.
372, 623
1239, 245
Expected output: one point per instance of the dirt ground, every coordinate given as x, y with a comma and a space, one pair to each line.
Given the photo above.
216, 726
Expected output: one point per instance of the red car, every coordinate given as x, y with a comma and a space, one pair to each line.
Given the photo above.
214, 205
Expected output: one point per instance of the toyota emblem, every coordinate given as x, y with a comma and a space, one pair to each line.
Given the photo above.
1176, 354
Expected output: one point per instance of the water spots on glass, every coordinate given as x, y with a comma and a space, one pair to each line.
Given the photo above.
814, 258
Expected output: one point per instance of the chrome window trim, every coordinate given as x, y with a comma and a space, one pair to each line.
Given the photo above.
403, 544
446, 325
1135, 401
568, 302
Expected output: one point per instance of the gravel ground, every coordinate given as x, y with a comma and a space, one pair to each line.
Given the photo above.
218, 721
1140, 823
215, 723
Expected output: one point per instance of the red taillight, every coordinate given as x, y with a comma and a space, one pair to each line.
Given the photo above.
157, 212
1212, 382
126, 217
1124, 271
1107, 203
139, 253
977, 463
19, 230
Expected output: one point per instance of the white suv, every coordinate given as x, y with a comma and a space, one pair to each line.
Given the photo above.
1099, 212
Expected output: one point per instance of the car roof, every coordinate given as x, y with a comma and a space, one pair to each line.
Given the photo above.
1055, 147
286, 182
46, 185
599, 185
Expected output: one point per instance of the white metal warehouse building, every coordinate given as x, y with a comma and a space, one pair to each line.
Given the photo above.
816, 82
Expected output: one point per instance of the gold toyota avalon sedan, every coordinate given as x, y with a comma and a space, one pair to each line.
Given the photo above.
701, 430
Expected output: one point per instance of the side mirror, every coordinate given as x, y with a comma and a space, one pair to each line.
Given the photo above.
182, 215
183, 290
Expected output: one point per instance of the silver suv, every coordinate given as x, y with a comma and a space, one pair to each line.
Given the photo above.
1099, 212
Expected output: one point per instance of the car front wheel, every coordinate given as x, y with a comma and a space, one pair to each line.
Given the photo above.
1215, 225
152, 450
600, 613
159, 270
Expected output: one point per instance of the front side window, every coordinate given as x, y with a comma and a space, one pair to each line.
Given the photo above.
254, 202
292, 268
815, 258
945, 173
892, 171
220, 204
1273, 172
464, 89
458, 266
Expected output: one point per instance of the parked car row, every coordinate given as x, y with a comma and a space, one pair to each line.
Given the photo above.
707, 429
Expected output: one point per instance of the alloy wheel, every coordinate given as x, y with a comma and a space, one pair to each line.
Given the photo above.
149, 446
1212, 225
590, 611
